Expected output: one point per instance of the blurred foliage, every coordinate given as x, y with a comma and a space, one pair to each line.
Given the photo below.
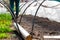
5, 16
4, 35
5, 22
5, 26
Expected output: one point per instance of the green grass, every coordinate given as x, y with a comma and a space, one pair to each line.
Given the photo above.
5, 22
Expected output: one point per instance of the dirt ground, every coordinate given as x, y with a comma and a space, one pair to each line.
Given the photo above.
42, 26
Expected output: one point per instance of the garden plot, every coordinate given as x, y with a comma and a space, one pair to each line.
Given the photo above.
42, 25
47, 20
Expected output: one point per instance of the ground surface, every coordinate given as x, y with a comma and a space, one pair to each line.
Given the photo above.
42, 25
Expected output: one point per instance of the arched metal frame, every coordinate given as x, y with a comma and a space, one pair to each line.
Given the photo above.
34, 16
25, 10
28, 7
23, 6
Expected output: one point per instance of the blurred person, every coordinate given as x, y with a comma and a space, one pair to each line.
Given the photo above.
16, 5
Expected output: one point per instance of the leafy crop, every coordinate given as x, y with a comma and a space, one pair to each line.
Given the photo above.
5, 22
4, 35
5, 16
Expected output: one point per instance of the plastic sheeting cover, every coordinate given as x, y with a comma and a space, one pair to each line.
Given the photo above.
2, 9
52, 14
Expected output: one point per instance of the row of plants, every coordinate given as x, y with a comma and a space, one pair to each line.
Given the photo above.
5, 22
5, 16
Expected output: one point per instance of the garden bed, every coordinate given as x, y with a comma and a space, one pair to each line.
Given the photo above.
42, 25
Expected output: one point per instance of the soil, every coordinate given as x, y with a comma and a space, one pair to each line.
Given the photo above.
42, 26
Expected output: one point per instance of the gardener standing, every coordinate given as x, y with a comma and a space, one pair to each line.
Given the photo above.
17, 6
